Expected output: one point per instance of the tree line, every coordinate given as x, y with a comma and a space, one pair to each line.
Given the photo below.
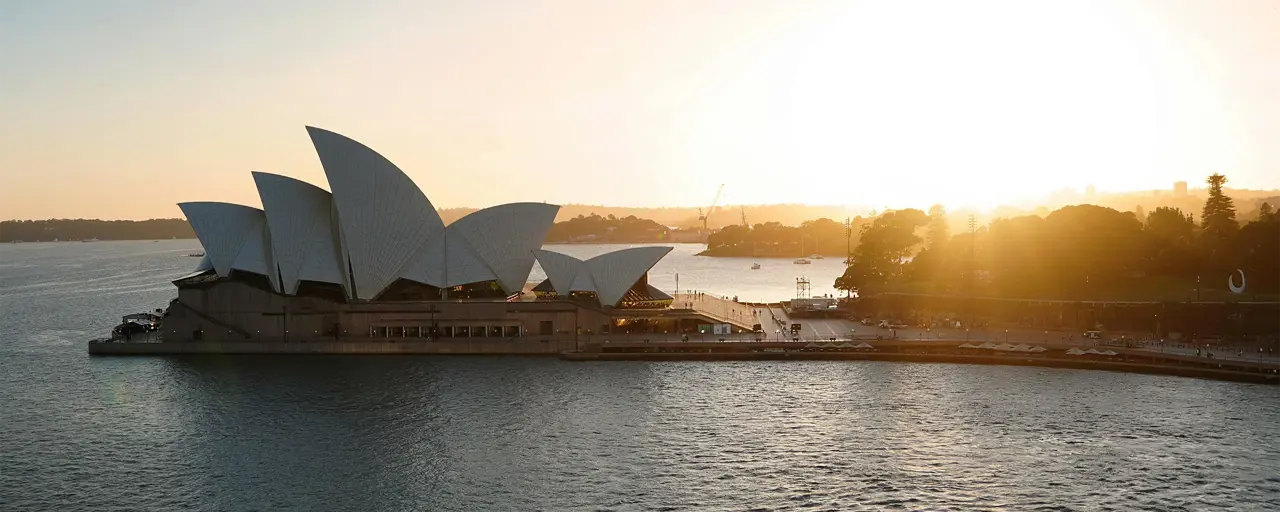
628, 229
772, 239
86, 229
1073, 253
594, 228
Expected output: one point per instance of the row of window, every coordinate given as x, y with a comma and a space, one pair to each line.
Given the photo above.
445, 331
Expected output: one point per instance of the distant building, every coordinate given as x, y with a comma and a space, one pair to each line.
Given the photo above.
1090, 193
1179, 189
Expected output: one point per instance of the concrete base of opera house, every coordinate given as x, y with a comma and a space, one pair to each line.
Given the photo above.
545, 348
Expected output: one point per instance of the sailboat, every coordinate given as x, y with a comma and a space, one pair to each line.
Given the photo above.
801, 261
755, 266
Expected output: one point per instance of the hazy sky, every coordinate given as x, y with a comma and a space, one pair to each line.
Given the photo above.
119, 109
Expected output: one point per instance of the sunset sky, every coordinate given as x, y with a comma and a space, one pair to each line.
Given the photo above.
119, 109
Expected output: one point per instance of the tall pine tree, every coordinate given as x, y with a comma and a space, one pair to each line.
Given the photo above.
1218, 219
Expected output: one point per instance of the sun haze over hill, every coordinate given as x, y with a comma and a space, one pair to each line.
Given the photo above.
121, 110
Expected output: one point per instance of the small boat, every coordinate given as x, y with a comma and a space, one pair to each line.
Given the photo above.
815, 257
196, 255
87, 240
755, 266
801, 261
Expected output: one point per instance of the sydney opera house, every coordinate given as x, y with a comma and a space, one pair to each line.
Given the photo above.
371, 260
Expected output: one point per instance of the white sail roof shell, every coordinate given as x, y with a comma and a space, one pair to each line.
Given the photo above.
222, 229
615, 272
560, 269
303, 244
375, 226
428, 265
384, 219
609, 275
462, 264
205, 264
582, 281
255, 254
505, 236
447, 260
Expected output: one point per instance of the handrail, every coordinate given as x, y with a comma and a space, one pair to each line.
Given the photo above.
215, 320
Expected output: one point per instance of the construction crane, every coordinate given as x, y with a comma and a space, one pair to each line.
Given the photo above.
710, 209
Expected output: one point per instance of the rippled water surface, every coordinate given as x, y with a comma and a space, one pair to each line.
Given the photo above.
419, 433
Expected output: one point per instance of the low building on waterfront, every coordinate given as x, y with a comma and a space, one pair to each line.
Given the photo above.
371, 259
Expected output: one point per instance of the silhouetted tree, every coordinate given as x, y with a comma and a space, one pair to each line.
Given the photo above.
883, 246
1171, 225
926, 265
1256, 249
1073, 252
1170, 234
938, 231
1218, 219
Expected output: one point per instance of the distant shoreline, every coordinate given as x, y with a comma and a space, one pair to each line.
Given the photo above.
93, 230
722, 253
619, 242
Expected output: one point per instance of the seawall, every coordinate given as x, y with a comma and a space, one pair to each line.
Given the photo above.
1129, 361
1227, 372
543, 348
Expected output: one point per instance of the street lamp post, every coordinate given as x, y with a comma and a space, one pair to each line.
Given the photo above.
1006, 335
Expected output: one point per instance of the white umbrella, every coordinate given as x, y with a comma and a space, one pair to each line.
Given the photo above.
1093, 351
812, 345
1004, 346
987, 345
1037, 349
846, 345
863, 345
1075, 352
1022, 348
1110, 353
966, 345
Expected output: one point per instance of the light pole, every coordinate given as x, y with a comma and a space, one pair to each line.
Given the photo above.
1006, 335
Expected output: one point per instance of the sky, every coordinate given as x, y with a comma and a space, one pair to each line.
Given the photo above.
122, 109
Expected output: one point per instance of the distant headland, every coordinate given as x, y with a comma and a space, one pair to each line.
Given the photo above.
66, 230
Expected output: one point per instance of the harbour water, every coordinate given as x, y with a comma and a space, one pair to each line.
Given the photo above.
420, 433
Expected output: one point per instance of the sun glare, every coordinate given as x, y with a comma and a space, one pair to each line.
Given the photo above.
962, 106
